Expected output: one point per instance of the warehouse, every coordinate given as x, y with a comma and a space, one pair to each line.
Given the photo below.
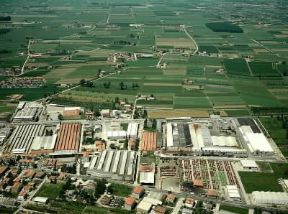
149, 141
23, 137
224, 141
200, 136
178, 135
28, 112
68, 139
257, 142
116, 135
43, 144
114, 164
132, 131
233, 192
249, 164
272, 198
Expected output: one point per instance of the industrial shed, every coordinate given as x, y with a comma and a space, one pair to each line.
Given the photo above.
68, 139
115, 135
149, 141
249, 164
23, 137
277, 198
114, 164
257, 142
28, 112
178, 135
233, 192
132, 131
43, 144
224, 141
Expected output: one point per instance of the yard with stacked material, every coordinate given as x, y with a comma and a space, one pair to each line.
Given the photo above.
239, 64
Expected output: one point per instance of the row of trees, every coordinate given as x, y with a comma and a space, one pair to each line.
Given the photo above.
122, 85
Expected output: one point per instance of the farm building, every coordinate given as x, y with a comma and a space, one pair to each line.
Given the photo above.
114, 164
43, 144
257, 142
132, 131
23, 137
149, 141
68, 139
273, 198
178, 135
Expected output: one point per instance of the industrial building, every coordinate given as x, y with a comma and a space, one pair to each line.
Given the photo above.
68, 139
116, 135
27, 112
232, 192
43, 144
200, 137
269, 198
149, 141
257, 142
23, 137
178, 135
132, 130
114, 164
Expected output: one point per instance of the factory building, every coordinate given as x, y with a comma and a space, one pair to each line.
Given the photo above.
43, 144
257, 142
132, 131
68, 139
269, 198
114, 164
116, 135
23, 137
27, 112
178, 135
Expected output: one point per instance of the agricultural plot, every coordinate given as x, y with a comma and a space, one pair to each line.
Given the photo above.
262, 181
237, 67
264, 69
224, 27
184, 43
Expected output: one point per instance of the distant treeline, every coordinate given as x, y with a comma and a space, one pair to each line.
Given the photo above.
269, 110
5, 18
4, 31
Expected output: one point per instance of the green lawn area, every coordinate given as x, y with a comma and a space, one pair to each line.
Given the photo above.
121, 189
50, 191
264, 181
237, 210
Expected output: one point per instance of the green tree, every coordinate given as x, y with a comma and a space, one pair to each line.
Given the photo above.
100, 187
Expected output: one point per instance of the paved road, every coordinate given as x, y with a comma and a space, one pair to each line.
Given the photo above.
27, 59
186, 32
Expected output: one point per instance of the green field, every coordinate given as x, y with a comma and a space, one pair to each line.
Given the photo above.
237, 210
50, 191
234, 69
261, 181
121, 189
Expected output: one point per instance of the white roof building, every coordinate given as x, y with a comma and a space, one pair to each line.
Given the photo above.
147, 177
169, 135
278, 198
42, 200
256, 141
224, 141
132, 130
251, 164
233, 192
44, 142
116, 134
